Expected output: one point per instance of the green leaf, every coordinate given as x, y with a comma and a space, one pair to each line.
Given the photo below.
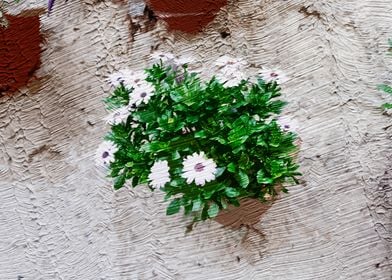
232, 192
154, 147
197, 204
387, 105
219, 171
119, 181
204, 213
176, 155
385, 88
211, 188
261, 142
243, 179
231, 167
135, 181
213, 210
223, 203
200, 134
174, 207
261, 179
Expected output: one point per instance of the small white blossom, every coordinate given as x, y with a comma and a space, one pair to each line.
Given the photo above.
122, 76
141, 94
198, 168
159, 174
287, 124
142, 90
273, 75
105, 153
118, 116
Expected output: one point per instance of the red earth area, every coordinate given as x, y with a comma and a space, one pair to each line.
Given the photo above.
186, 15
19, 51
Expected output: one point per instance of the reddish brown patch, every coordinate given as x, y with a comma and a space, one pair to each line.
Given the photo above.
247, 214
187, 15
19, 51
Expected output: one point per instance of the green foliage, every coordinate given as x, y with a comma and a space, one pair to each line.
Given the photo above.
386, 88
233, 126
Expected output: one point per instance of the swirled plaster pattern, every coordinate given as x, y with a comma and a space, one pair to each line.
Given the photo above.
60, 218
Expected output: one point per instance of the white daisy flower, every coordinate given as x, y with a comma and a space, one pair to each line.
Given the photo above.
118, 116
105, 153
142, 90
287, 124
159, 174
273, 75
141, 94
122, 76
198, 168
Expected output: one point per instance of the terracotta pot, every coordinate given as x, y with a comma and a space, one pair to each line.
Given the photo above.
250, 210
247, 214
186, 15
19, 51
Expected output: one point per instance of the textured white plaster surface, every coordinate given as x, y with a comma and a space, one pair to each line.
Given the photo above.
60, 218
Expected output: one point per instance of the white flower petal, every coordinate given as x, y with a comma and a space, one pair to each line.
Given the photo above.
119, 77
159, 174
287, 123
118, 116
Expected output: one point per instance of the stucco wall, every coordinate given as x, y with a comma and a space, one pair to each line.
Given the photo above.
60, 218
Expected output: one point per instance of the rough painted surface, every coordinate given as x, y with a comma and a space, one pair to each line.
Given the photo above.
60, 218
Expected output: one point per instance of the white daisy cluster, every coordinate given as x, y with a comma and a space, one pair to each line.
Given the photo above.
231, 71
196, 168
141, 93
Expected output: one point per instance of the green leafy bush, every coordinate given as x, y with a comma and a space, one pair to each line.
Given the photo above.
206, 145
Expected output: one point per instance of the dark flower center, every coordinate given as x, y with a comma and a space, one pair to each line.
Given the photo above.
286, 126
199, 167
143, 94
105, 154
274, 75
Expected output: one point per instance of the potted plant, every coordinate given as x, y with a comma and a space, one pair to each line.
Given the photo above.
206, 144
186, 15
